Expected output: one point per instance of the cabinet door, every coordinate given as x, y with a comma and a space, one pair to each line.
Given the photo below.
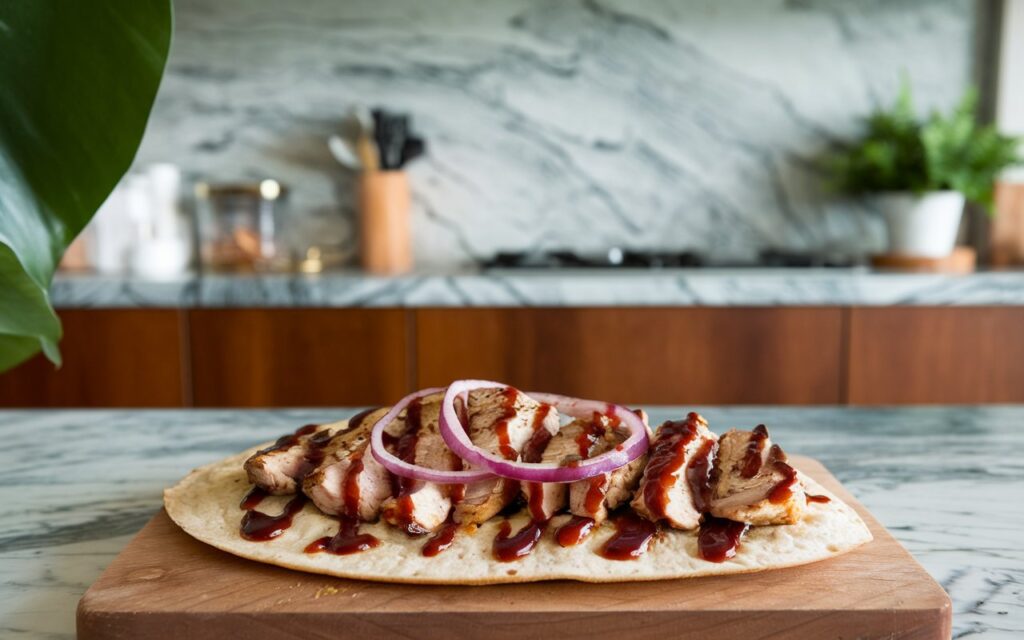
298, 357
112, 358
901, 355
640, 355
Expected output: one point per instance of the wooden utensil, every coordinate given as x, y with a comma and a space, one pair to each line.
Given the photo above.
384, 203
165, 584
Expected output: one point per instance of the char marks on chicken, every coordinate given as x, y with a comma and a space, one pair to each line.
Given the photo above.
350, 481
279, 468
688, 475
666, 491
503, 421
752, 482
594, 497
545, 499
418, 506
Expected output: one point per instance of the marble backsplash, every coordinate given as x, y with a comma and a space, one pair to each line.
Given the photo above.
586, 124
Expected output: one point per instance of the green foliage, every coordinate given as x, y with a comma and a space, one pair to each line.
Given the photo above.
77, 81
944, 152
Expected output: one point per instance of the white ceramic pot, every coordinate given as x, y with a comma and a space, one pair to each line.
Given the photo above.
922, 225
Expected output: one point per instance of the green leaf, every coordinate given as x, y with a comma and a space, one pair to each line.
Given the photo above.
77, 82
899, 153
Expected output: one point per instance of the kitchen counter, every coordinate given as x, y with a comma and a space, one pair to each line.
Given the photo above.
497, 288
76, 485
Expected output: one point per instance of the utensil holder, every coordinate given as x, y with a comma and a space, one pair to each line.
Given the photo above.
384, 203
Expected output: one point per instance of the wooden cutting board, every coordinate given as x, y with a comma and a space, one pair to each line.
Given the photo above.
167, 585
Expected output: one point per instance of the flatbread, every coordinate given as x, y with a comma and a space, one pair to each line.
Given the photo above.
206, 505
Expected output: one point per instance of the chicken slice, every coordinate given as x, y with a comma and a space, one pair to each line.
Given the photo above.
753, 483
595, 496
672, 485
350, 481
279, 468
545, 499
502, 421
417, 506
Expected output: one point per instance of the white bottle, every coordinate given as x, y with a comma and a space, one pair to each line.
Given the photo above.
163, 247
113, 232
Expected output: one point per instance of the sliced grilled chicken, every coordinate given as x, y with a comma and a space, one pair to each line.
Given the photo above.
417, 506
350, 481
594, 497
674, 482
545, 499
279, 468
753, 483
503, 421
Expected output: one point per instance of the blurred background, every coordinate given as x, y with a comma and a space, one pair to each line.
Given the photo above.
641, 201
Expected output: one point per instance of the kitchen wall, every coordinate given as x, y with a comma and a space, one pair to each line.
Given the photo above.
584, 124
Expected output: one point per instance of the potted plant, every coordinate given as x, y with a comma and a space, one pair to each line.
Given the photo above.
920, 172
77, 81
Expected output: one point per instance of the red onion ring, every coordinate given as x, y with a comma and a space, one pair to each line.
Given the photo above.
458, 440
400, 467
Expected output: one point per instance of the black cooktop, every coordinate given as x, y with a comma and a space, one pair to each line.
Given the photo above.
629, 259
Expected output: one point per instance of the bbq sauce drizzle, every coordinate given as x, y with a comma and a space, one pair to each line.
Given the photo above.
347, 541
252, 499
290, 440
260, 527
596, 490
509, 397
574, 531
719, 538
509, 547
579, 527
402, 488
667, 454
350, 491
445, 536
294, 439
784, 489
755, 446
633, 535
440, 540
533, 451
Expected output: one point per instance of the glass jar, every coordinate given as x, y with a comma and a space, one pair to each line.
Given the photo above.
238, 226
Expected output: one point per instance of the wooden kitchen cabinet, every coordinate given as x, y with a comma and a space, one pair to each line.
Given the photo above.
112, 358
299, 357
640, 355
936, 355
691, 355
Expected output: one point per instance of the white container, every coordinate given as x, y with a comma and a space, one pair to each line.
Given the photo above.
922, 225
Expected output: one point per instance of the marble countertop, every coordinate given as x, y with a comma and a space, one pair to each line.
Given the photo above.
665, 287
76, 485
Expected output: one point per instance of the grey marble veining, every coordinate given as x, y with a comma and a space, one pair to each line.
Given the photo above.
669, 287
585, 124
75, 485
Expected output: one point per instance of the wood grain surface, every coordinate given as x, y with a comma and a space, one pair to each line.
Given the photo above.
112, 358
167, 585
640, 355
299, 357
938, 355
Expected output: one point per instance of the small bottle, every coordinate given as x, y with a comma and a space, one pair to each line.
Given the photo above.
163, 248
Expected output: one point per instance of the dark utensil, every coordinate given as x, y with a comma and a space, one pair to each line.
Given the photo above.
414, 148
391, 130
